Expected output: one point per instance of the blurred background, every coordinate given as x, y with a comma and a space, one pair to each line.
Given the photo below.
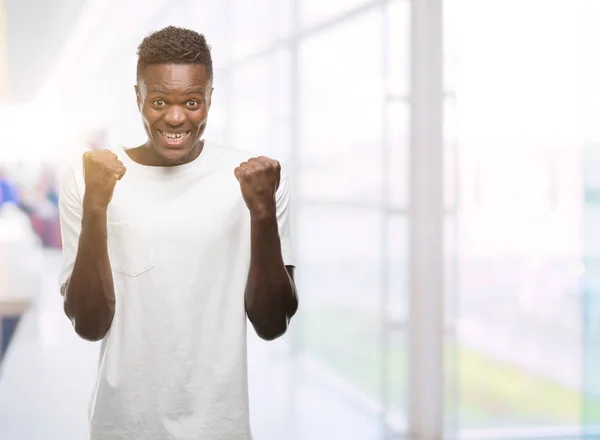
445, 166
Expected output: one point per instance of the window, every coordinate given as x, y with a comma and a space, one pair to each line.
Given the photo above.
394, 340
316, 11
398, 43
518, 346
254, 25
260, 114
341, 259
398, 114
341, 112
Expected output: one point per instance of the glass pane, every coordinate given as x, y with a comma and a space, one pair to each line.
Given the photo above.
256, 24
395, 386
250, 114
590, 294
450, 154
260, 106
340, 256
494, 69
451, 265
314, 11
451, 32
396, 383
591, 65
519, 319
398, 44
341, 112
218, 128
398, 115
397, 269
518, 269
519, 255
590, 382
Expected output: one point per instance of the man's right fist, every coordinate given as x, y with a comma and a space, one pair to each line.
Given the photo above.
101, 170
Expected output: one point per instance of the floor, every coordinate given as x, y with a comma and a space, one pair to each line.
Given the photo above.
48, 372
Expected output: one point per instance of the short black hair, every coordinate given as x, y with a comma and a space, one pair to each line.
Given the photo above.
174, 45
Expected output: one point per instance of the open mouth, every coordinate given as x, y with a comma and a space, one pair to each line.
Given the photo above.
174, 139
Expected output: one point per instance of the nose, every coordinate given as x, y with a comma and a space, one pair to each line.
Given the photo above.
175, 116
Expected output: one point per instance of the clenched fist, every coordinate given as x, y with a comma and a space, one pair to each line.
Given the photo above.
259, 180
102, 169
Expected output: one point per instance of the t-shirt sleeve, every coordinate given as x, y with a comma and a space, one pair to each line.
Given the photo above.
70, 210
282, 199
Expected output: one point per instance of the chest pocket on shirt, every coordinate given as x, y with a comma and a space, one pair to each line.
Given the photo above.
130, 248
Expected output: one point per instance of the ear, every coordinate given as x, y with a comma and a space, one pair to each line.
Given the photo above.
209, 100
138, 97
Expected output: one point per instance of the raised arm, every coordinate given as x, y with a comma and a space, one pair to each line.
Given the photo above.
271, 298
89, 290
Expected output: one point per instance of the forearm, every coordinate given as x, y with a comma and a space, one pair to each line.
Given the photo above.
89, 296
270, 292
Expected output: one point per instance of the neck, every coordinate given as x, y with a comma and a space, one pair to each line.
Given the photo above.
146, 155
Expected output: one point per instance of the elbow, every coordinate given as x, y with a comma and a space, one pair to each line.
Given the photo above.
271, 329
272, 321
268, 328
90, 333
270, 332
91, 326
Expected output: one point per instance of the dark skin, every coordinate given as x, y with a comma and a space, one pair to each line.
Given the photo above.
89, 293
176, 99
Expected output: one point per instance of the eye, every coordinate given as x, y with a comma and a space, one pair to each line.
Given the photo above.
193, 103
158, 102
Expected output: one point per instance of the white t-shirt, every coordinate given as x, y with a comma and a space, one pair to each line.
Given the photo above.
174, 362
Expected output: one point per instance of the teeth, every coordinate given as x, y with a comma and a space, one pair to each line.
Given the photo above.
174, 135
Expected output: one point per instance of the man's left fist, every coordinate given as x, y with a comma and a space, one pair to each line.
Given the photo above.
259, 180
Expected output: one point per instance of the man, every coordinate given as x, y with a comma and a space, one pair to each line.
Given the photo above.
167, 248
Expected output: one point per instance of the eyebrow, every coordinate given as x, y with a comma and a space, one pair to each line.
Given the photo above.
193, 91
186, 92
157, 90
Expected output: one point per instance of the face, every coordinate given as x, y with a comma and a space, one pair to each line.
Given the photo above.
174, 101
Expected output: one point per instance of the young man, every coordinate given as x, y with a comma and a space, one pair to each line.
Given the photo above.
167, 248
